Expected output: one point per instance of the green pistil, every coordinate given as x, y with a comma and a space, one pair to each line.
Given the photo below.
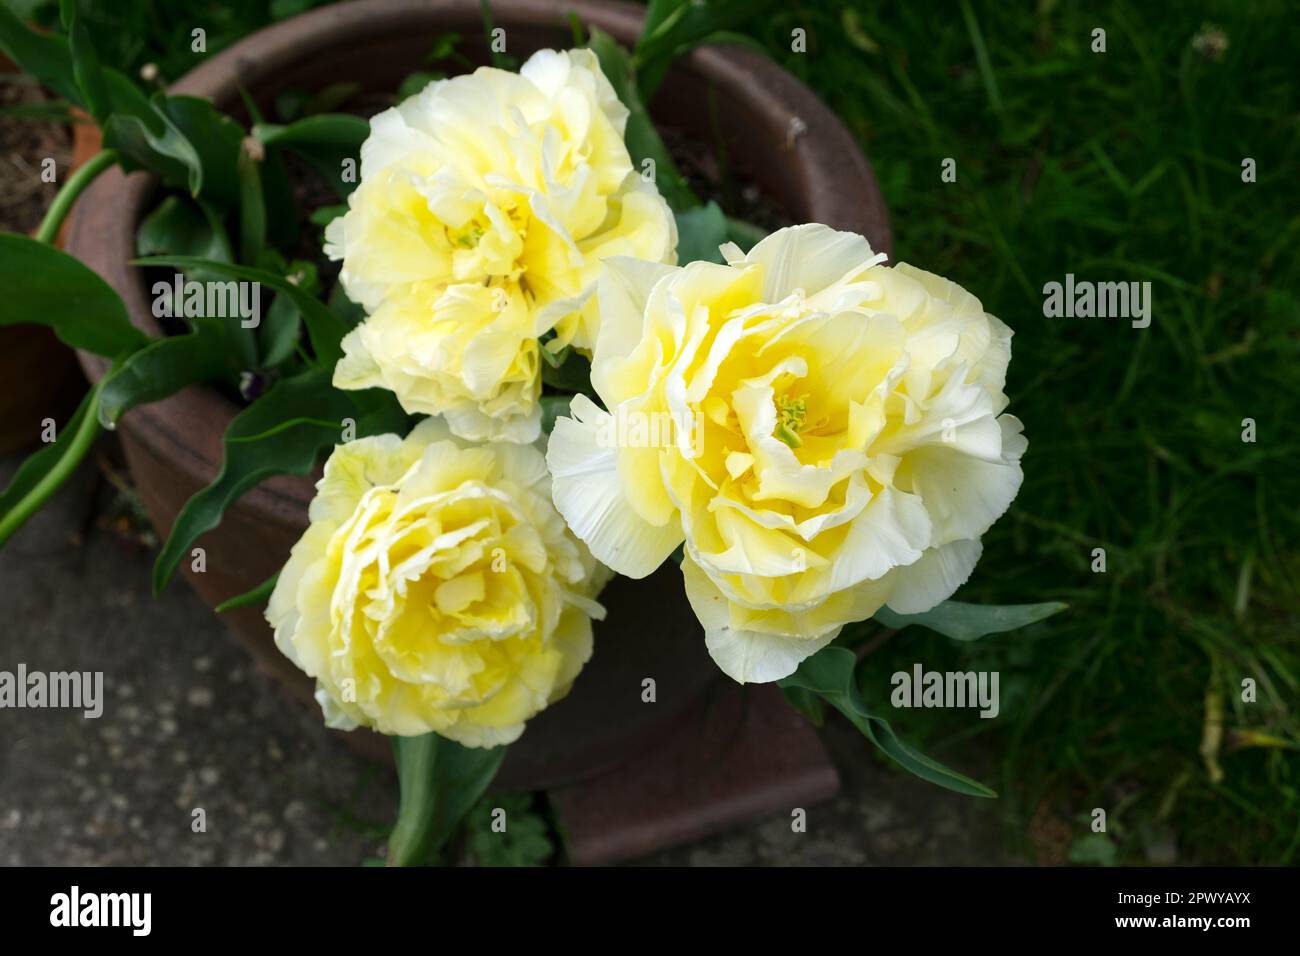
790, 414
470, 238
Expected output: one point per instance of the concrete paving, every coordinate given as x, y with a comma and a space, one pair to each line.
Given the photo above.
189, 725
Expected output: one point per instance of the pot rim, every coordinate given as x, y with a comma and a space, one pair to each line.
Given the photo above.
833, 177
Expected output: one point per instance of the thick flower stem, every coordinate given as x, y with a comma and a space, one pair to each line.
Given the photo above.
440, 781
416, 756
68, 194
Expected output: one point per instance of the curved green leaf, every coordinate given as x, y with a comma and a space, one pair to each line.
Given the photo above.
325, 129
85, 61
157, 145
283, 432
47, 58
829, 675
182, 227
323, 141
45, 286
165, 366
970, 622
253, 597
674, 27
290, 416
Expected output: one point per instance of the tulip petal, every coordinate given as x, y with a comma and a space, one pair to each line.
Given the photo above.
589, 494
934, 577
747, 657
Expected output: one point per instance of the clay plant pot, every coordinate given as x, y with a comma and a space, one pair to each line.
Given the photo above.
40, 373
803, 159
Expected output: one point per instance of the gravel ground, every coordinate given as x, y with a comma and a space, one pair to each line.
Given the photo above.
188, 724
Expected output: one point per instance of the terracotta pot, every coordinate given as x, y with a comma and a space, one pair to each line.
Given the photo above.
40, 373
174, 446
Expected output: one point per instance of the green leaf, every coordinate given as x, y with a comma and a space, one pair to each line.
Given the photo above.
414, 83
674, 27
807, 703
324, 215
283, 432
1094, 848
525, 842
181, 227
45, 471
85, 61
165, 366
278, 336
326, 129
643, 141
553, 407
970, 622
439, 780
277, 339
332, 97
47, 111
325, 328
572, 374
324, 141
829, 675
47, 287
700, 231
156, 144
253, 597
45, 57
216, 140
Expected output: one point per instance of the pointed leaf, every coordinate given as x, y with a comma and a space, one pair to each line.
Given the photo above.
165, 366
46, 57
970, 622
45, 286
829, 675
283, 432
85, 61
253, 597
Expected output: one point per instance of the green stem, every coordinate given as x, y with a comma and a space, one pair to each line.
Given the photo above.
408, 845
73, 188
51, 481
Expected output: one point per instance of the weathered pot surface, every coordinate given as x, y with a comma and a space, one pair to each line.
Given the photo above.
811, 168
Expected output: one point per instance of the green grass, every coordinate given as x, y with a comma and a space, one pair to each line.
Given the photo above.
1118, 166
